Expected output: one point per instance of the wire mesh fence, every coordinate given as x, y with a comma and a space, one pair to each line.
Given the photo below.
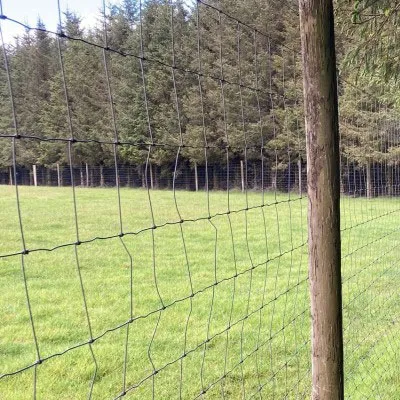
184, 275
187, 177
369, 129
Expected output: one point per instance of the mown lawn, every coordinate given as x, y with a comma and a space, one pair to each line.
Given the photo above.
208, 304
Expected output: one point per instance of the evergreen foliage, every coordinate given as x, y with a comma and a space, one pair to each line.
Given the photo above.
181, 75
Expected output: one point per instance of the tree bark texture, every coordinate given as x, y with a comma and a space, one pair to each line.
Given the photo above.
323, 166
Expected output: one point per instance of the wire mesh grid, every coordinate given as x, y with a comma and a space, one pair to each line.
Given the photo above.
151, 293
370, 206
161, 294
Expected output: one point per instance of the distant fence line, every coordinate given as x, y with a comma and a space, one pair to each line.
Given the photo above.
356, 180
188, 177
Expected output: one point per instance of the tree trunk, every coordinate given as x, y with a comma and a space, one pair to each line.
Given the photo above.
323, 168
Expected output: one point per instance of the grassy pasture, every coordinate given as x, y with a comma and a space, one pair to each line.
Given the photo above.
247, 270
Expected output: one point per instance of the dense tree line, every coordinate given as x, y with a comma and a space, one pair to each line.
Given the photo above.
188, 79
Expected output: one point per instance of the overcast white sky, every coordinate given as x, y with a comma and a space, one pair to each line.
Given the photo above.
28, 11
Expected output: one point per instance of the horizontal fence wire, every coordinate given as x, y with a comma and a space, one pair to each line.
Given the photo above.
184, 273
370, 239
198, 298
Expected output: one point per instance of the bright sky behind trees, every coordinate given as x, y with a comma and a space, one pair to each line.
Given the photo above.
28, 11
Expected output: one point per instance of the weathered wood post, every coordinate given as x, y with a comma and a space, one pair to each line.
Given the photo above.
34, 171
87, 175
82, 178
196, 177
101, 176
323, 172
300, 177
58, 175
369, 189
151, 176
242, 175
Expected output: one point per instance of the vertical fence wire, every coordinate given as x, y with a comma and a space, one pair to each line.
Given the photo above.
369, 240
188, 294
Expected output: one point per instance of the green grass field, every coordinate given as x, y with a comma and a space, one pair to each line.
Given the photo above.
247, 270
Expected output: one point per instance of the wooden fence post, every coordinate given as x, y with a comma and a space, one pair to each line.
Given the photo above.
81, 175
242, 174
196, 177
323, 171
87, 175
151, 177
101, 176
58, 175
34, 174
300, 177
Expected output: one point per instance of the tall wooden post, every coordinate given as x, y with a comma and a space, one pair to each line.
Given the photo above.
151, 177
369, 179
34, 174
300, 177
128, 176
87, 175
242, 175
323, 170
81, 174
101, 176
196, 177
58, 175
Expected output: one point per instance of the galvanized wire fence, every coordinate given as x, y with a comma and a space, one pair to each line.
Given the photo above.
202, 295
370, 239
187, 177
200, 289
